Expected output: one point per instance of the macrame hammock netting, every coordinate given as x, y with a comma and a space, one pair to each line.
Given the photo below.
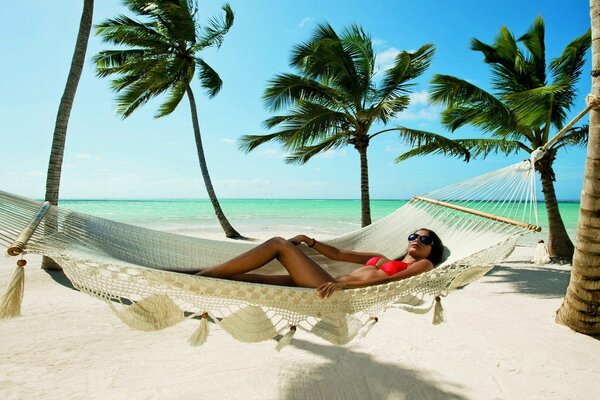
132, 268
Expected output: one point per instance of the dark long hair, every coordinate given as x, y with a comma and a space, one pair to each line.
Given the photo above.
437, 248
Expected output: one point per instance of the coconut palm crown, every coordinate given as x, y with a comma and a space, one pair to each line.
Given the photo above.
335, 98
530, 99
159, 55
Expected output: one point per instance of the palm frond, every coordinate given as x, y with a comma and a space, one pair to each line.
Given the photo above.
407, 66
113, 61
577, 136
124, 30
484, 147
512, 72
312, 121
532, 107
469, 104
175, 94
307, 53
534, 42
214, 32
211, 81
451, 91
359, 46
285, 90
389, 108
329, 58
424, 143
303, 154
566, 69
247, 143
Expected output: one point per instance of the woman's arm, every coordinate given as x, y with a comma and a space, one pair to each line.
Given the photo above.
416, 268
333, 253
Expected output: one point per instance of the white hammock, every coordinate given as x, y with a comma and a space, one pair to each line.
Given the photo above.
478, 220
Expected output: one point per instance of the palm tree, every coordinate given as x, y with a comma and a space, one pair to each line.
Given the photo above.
519, 115
162, 57
64, 111
336, 98
580, 309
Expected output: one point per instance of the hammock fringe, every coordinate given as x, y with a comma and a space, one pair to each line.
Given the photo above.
200, 335
438, 311
155, 312
10, 304
286, 339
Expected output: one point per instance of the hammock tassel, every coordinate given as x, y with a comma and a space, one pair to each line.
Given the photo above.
10, 304
438, 311
370, 323
200, 335
152, 313
286, 339
541, 256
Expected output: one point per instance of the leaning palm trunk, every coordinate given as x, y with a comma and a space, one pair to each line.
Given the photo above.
230, 232
365, 201
560, 246
581, 308
64, 111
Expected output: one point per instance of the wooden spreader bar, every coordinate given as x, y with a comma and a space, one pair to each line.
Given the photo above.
531, 227
19, 245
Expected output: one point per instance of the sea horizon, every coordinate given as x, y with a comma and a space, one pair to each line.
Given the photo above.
261, 216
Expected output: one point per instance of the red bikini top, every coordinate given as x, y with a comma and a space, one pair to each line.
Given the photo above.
390, 267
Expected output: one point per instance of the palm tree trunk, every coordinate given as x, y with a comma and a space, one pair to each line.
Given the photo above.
365, 202
581, 307
64, 111
227, 228
560, 245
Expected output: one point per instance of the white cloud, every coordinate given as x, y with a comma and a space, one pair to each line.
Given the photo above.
414, 115
378, 42
332, 153
394, 149
33, 174
268, 153
87, 156
419, 98
228, 140
305, 22
385, 59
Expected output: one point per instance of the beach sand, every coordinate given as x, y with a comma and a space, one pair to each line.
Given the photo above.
500, 341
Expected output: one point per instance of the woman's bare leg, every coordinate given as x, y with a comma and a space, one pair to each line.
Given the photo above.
302, 269
279, 280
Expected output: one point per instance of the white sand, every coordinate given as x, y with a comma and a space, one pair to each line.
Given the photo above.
499, 342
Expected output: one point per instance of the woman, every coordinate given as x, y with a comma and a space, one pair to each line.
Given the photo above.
423, 252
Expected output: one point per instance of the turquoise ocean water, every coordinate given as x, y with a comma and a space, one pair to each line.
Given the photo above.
327, 217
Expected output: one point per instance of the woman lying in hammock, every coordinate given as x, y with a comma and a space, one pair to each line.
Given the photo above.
423, 252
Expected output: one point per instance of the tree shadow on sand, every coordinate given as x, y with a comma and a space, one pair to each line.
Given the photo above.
61, 278
539, 281
354, 375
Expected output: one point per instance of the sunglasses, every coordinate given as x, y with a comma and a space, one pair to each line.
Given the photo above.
426, 240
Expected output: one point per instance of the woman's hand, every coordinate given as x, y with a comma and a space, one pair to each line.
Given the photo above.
296, 240
327, 289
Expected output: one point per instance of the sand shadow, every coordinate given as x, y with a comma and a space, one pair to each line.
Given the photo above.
61, 278
353, 375
537, 281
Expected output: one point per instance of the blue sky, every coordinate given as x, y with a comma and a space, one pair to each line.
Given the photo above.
143, 157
